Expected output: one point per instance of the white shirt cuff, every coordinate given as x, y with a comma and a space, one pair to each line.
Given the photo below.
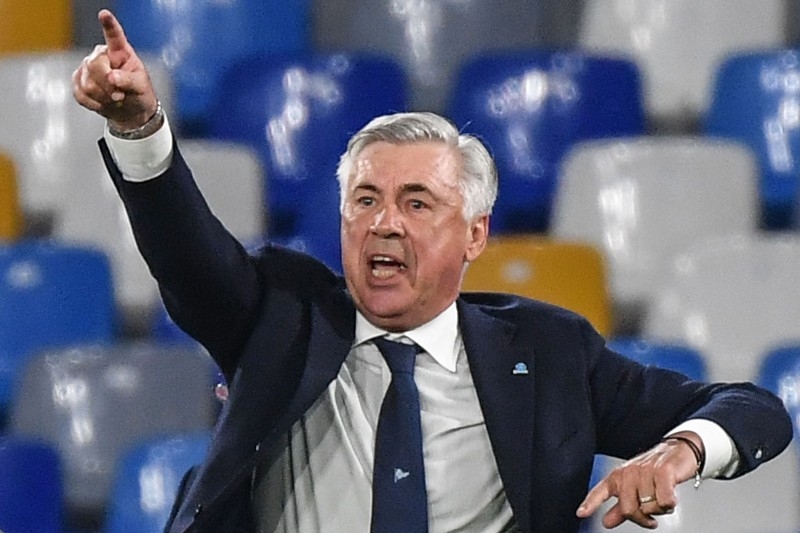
142, 159
722, 458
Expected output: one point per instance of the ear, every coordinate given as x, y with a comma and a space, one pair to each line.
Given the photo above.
478, 235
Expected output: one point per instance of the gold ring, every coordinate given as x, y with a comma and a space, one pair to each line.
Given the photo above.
646, 499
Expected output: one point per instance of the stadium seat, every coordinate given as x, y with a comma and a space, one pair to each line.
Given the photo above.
641, 200
779, 372
64, 188
567, 274
198, 40
93, 402
678, 44
671, 356
731, 298
430, 39
10, 212
756, 101
231, 178
531, 108
298, 112
30, 486
52, 295
35, 25
147, 481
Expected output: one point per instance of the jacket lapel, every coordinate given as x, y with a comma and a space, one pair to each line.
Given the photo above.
503, 374
332, 335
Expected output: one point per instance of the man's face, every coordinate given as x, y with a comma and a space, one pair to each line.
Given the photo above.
404, 237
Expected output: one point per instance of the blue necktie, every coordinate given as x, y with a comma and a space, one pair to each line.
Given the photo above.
399, 499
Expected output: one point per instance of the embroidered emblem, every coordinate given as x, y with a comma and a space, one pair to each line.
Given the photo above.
520, 369
399, 474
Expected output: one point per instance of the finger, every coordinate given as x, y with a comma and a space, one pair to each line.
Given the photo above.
596, 497
115, 38
80, 94
665, 497
128, 82
93, 82
616, 516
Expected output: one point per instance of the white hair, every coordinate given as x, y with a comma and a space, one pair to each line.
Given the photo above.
478, 181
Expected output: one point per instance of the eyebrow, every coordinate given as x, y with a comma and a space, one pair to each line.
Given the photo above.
409, 187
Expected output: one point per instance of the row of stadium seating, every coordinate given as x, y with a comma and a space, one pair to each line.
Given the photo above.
650, 171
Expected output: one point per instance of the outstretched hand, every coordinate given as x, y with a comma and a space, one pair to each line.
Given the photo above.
112, 80
643, 486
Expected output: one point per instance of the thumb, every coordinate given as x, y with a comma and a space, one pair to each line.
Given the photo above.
114, 35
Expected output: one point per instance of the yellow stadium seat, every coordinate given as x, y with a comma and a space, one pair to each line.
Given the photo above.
10, 212
568, 274
35, 25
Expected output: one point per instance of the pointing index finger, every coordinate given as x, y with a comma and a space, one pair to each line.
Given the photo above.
596, 497
112, 31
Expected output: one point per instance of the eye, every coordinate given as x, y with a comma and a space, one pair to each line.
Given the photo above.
417, 204
366, 201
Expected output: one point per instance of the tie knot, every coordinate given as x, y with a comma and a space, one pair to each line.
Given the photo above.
400, 357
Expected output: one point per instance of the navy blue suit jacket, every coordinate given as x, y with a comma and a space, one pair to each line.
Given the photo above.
280, 325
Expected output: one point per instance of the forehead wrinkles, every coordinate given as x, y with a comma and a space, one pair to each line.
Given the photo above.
420, 163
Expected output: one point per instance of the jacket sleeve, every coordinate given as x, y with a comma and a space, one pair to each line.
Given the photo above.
208, 281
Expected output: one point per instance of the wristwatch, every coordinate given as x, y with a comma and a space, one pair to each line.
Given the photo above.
145, 130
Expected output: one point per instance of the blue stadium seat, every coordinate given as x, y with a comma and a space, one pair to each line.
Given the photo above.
431, 39
780, 373
756, 101
298, 112
147, 481
196, 40
531, 108
51, 295
30, 486
672, 356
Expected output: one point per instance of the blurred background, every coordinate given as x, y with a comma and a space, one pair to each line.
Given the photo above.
649, 162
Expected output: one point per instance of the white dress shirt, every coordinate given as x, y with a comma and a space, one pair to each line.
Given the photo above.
319, 478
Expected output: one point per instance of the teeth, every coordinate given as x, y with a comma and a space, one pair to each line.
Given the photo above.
378, 273
383, 259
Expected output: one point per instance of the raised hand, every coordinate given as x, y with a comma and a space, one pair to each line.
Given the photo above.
643, 486
113, 81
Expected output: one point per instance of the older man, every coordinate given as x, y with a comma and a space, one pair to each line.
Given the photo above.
387, 401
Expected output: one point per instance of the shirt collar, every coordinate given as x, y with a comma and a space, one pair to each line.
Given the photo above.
438, 337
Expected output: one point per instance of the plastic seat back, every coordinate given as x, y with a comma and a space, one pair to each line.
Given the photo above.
779, 372
678, 44
531, 108
567, 274
147, 481
430, 39
231, 178
755, 100
30, 486
298, 113
35, 25
197, 40
52, 295
10, 211
731, 298
642, 200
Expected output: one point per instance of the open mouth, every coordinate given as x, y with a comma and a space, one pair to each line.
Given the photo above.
384, 266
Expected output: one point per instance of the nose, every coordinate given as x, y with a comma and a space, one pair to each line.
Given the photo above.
387, 222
